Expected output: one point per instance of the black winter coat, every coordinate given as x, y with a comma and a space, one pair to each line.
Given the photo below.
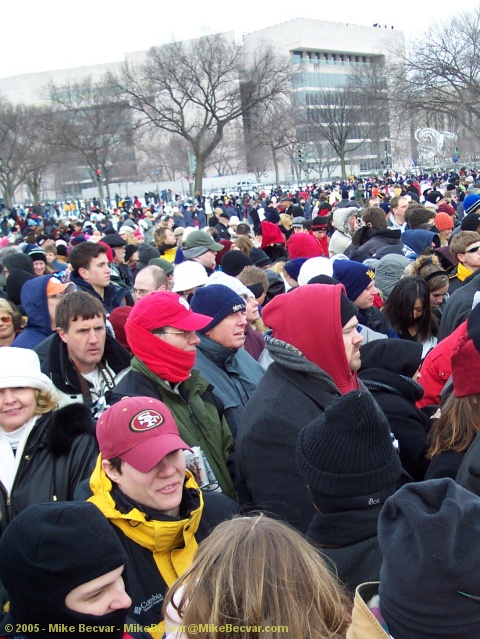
59, 453
396, 396
266, 473
349, 540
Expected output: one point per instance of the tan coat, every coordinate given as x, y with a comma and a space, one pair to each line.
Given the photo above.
364, 625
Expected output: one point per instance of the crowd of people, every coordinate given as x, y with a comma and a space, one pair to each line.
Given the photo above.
247, 423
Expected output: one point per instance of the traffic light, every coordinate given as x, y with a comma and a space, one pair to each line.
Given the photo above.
98, 174
457, 152
300, 155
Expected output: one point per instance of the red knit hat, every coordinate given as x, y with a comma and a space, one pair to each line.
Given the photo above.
446, 208
443, 221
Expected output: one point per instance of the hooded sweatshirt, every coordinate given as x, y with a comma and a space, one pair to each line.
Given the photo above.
342, 238
310, 321
34, 302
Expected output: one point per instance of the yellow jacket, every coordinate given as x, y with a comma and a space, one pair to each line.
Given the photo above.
172, 543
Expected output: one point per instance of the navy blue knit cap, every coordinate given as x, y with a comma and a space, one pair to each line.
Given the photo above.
429, 585
293, 267
355, 276
218, 301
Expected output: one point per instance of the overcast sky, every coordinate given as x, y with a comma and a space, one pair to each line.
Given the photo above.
57, 34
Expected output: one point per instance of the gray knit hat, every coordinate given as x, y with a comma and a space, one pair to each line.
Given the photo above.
389, 271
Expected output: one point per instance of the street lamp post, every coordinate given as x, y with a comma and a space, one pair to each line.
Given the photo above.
155, 173
385, 153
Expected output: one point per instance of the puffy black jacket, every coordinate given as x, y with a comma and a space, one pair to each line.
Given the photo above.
59, 453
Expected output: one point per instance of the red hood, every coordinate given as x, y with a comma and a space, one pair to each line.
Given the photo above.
309, 318
271, 234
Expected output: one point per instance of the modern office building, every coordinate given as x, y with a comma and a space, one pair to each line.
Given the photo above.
324, 55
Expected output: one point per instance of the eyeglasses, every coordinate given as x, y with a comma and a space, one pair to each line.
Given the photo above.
6, 319
186, 334
56, 296
474, 249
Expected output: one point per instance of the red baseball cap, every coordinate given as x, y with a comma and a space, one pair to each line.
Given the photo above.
164, 308
139, 430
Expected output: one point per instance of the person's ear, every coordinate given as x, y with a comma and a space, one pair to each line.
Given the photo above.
111, 472
62, 334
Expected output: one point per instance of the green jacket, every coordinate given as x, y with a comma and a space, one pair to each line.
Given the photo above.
196, 411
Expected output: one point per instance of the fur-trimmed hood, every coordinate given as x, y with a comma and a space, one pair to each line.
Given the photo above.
341, 219
64, 425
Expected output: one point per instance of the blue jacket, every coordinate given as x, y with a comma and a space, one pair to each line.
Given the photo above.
417, 240
233, 373
34, 302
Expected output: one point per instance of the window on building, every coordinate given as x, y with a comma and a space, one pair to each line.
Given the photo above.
297, 57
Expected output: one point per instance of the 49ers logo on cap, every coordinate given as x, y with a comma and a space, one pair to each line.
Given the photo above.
146, 420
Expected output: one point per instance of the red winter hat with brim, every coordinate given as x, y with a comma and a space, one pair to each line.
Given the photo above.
165, 308
139, 430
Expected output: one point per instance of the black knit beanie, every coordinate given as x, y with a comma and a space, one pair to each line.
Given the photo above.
46, 552
347, 309
396, 355
38, 254
428, 533
233, 262
346, 455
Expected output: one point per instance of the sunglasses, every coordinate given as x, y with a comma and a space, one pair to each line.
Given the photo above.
474, 249
6, 319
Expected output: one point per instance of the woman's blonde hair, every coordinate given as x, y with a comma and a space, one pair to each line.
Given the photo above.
286, 221
129, 237
244, 244
46, 402
159, 234
426, 265
259, 572
11, 309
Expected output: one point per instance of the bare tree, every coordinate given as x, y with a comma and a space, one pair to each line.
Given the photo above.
228, 157
323, 159
440, 74
337, 117
89, 121
274, 127
194, 89
14, 148
40, 156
